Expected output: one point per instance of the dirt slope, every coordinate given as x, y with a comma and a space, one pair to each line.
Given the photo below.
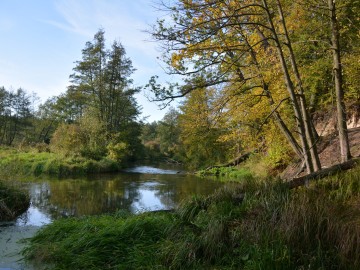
329, 153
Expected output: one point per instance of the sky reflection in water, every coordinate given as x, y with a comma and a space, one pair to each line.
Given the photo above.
138, 189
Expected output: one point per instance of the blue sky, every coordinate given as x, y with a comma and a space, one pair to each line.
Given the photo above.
41, 40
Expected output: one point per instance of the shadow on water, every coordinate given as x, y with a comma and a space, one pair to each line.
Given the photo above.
137, 189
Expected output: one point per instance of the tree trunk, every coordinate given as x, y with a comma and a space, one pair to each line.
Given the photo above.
306, 117
340, 106
290, 87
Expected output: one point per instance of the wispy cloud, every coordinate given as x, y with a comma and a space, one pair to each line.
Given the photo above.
122, 20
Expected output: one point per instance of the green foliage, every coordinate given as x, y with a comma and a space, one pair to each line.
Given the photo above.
117, 151
66, 140
168, 131
86, 139
200, 130
278, 154
13, 201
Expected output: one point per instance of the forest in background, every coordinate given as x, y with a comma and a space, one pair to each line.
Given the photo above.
251, 76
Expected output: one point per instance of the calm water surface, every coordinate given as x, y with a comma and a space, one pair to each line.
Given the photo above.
138, 189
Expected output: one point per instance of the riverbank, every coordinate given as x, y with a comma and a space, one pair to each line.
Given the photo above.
31, 162
259, 225
13, 202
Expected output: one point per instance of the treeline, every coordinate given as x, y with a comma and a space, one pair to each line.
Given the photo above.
16, 115
255, 72
97, 117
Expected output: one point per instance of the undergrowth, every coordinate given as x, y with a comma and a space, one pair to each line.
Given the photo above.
258, 225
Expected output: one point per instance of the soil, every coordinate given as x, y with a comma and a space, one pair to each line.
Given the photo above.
329, 153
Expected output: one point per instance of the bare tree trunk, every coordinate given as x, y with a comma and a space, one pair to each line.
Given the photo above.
306, 117
292, 94
340, 106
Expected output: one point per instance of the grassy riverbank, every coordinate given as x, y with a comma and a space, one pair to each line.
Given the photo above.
260, 225
228, 172
32, 162
13, 202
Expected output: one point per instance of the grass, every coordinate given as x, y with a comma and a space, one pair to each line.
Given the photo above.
228, 172
31, 162
104, 242
13, 202
258, 225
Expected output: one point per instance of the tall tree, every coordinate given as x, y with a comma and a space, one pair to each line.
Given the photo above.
338, 78
102, 80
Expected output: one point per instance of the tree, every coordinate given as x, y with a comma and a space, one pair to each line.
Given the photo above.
337, 68
206, 41
200, 131
168, 133
15, 115
102, 80
101, 90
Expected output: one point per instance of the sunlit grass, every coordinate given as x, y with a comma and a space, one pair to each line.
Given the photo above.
33, 163
236, 174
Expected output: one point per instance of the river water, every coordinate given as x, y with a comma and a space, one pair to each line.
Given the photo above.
138, 189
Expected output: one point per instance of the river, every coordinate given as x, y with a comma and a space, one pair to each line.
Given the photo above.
137, 189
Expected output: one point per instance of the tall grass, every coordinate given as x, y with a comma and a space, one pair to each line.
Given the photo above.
105, 242
31, 162
258, 225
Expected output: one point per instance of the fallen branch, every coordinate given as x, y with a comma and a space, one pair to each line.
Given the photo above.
304, 180
234, 162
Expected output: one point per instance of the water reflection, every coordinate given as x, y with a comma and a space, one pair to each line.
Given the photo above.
107, 193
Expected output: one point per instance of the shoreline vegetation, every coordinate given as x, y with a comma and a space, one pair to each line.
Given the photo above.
13, 201
31, 162
262, 224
